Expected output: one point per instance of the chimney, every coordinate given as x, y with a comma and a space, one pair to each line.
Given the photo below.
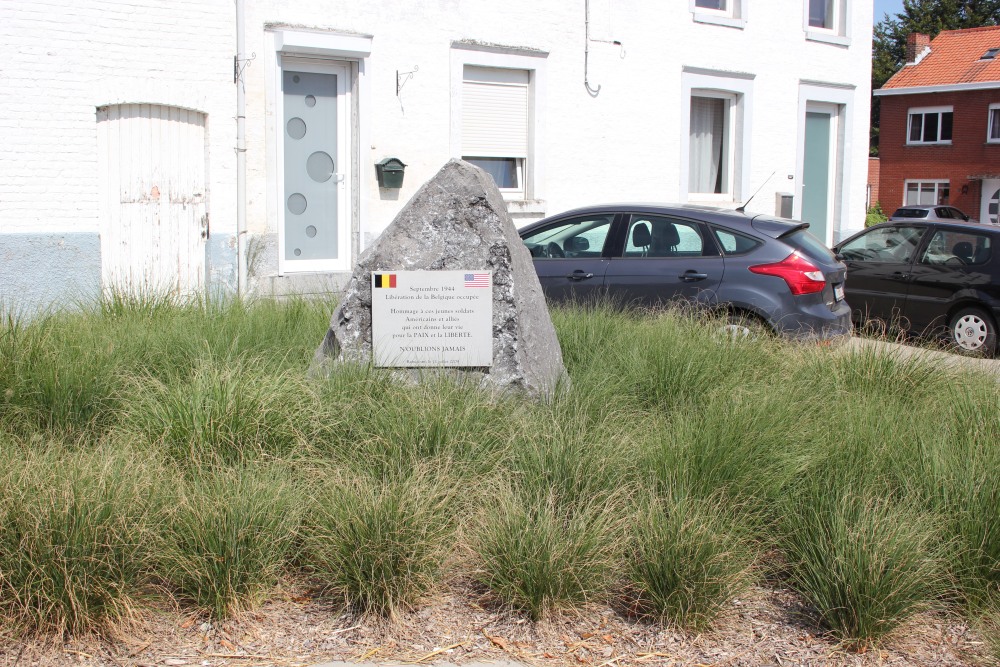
916, 44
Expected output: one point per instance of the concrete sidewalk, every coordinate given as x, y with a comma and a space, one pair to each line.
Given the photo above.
949, 360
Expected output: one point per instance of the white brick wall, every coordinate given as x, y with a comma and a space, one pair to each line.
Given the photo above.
621, 145
60, 59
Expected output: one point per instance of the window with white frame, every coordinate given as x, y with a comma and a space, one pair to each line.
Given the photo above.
931, 125
993, 124
495, 124
718, 5
711, 144
926, 193
827, 21
722, 12
824, 14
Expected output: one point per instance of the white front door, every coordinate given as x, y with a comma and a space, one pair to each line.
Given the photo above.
154, 217
313, 143
990, 202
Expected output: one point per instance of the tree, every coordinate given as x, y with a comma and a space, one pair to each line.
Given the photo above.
928, 17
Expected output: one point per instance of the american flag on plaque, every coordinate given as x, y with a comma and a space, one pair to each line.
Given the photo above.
477, 280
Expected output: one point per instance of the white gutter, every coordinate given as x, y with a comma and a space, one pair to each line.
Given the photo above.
947, 88
241, 156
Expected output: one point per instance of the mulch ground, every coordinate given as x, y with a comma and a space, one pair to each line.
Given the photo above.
769, 626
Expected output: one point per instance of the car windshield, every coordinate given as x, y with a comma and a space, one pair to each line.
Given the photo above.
810, 246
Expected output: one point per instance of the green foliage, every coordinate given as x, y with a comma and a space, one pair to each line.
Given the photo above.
56, 375
687, 559
537, 554
866, 564
955, 472
227, 536
227, 411
75, 537
394, 429
380, 544
830, 457
875, 215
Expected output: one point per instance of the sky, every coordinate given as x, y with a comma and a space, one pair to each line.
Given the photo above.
883, 7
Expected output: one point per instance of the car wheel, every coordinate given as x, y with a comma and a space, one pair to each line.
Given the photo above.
741, 327
972, 331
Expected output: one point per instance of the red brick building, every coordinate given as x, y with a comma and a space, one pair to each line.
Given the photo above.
940, 124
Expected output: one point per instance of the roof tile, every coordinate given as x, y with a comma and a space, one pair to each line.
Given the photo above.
955, 57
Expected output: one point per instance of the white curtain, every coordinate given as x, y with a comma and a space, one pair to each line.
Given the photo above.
706, 168
821, 14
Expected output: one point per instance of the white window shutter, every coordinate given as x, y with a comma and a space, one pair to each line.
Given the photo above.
495, 114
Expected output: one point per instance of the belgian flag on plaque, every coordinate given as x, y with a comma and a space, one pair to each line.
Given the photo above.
385, 279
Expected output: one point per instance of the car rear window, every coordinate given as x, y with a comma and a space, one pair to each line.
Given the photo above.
733, 243
810, 246
910, 213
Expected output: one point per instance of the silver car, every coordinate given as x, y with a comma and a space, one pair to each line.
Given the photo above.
941, 213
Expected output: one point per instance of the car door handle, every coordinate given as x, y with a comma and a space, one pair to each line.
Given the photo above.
579, 275
901, 274
691, 276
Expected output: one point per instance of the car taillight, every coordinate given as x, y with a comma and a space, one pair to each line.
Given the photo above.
800, 274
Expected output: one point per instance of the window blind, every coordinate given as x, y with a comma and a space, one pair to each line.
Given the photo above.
495, 112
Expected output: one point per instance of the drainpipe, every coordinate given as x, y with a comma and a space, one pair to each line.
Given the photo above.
586, 51
241, 156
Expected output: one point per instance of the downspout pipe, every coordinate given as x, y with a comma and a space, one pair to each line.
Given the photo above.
586, 52
241, 155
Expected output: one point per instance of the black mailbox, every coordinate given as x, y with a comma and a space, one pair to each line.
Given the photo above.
390, 172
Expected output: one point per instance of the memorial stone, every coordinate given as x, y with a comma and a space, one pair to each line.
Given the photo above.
456, 224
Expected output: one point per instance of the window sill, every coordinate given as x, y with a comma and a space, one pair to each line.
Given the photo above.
525, 209
715, 19
827, 38
707, 199
925, 144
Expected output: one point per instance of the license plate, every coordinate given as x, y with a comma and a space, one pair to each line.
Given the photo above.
838, 292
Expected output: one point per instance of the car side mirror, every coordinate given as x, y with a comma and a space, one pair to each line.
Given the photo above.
838, 255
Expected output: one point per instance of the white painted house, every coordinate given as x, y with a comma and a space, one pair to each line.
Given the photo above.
120, 160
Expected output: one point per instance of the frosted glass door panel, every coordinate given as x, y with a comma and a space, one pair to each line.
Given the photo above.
310, 164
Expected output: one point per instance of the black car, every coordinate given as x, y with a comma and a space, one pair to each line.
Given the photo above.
927, 278
753, 266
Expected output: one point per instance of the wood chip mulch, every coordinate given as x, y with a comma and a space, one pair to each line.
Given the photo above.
769, 626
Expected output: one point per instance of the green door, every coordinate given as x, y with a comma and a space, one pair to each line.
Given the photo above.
816, 174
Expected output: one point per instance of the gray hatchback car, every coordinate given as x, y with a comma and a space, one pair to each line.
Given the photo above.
751, 266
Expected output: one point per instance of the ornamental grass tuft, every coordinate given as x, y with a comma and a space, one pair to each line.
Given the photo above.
687, 559
537, 554
380, 544
866, 564
227, 536
75, 536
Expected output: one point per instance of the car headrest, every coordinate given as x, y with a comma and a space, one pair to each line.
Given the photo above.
964, 250
640, 235
666, 235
